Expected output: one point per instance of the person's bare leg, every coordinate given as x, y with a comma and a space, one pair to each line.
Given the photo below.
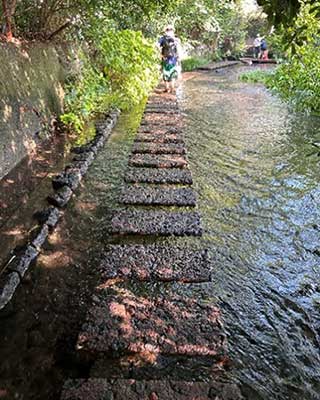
172, 86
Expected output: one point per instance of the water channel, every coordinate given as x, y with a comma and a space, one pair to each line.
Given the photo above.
255, 165
256, 170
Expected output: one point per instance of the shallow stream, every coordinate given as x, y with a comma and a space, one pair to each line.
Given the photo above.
256, 170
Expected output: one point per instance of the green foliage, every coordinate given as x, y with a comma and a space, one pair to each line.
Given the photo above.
298, 79
283, 12
213, 24
257, 76
192, 63
120, 74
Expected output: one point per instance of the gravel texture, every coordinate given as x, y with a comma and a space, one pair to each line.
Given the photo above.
157, 223
156, 148
159, 138
158, 196
130, 320
130, 389
157, 161
156, 175
155, 263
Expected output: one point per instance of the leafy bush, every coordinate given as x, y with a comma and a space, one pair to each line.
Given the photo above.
191, 63
257, 76
298, 79
119, 72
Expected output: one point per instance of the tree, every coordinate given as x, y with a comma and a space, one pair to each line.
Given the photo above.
282, 11
8, 10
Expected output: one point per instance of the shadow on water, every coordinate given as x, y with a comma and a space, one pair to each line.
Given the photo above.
257, 175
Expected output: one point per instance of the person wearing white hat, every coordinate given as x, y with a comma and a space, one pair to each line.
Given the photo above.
257, 46
170, 57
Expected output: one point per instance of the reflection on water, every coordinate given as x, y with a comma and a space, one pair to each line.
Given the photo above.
256, 170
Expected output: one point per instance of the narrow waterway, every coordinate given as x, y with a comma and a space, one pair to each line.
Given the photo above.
256, 170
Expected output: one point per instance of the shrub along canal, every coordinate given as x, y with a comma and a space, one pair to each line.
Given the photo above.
255, 165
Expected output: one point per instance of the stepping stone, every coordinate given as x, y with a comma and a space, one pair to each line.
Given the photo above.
181, 197
159, 138
160, 129
162, 110
162, 123
157, 223
131, 389
135, 318
155, 263
156, 175
156, 148
157, 161
153, 117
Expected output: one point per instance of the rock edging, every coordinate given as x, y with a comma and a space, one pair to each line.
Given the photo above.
64, 187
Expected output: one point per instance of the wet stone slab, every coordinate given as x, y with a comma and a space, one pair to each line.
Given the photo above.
181, 197
163, 110
152, 117
157, 223
159, 137
155, 263
130, 389
156, 148
157, 161
156, 175
160, 130
138, 319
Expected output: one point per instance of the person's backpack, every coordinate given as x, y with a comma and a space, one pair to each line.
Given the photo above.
263, 45
169, 47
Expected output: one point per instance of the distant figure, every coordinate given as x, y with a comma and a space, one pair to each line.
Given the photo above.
169, 45
257, 46
264, 49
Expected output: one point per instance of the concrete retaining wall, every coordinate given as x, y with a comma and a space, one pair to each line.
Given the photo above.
31, 92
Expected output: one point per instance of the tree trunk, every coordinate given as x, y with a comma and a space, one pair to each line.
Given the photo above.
7, 19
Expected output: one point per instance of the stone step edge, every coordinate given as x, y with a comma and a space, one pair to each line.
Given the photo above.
130, 389
191, 223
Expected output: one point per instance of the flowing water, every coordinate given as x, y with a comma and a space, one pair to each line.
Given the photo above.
256, 170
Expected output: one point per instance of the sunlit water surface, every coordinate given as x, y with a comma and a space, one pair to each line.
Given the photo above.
256, 170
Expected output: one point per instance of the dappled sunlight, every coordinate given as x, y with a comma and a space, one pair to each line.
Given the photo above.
55, 259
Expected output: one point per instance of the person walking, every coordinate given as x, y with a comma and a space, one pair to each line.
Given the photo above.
257, 46
264, 49
169, 45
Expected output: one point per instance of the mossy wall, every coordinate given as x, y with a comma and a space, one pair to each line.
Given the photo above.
31, 94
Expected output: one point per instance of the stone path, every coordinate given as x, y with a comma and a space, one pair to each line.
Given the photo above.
152, 331
131, 389
158, 196
156, 175
156, 263
159, 223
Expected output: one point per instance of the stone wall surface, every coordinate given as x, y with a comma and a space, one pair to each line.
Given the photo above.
31, 93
